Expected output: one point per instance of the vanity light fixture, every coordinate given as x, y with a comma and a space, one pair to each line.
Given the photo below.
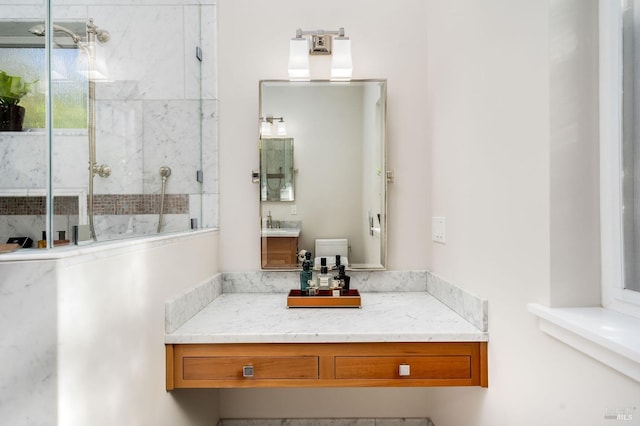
320, 43
299, 59
267, 122
281, 128
341, 65
265, 128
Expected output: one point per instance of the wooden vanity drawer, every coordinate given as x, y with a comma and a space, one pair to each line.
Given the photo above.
388, 367
302, 365
264, 368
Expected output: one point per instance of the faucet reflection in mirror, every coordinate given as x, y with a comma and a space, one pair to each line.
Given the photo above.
320, 43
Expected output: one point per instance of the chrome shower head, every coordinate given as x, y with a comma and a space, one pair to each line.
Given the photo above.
40, 31
37, 30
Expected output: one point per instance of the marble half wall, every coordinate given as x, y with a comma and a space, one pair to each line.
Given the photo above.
28, 343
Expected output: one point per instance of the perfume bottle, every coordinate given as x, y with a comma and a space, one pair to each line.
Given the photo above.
346, 280
306, 275
43, 242
338, 280
307, 257
324, 279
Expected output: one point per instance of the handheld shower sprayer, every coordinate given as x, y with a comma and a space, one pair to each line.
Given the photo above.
165, 172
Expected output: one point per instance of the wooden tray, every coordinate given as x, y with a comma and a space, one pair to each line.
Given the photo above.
8, 248
325, 299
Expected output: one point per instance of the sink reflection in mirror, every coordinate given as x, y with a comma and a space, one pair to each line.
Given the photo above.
339, 175
280, 232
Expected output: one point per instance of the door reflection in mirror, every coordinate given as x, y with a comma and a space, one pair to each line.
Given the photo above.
276, 169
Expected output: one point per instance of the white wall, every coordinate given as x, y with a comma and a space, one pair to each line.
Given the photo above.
473, 98
111, 357
387, 42
512, 118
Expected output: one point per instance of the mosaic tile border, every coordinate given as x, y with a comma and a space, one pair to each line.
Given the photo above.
103, 204
33, 206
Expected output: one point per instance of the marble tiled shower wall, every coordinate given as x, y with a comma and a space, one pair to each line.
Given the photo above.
158, 109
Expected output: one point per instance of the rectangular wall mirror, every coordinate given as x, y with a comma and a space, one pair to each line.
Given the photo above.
334, 155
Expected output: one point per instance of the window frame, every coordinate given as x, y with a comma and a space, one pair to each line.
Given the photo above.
614, 295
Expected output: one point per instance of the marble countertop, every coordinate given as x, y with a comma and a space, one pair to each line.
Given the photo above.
383, 317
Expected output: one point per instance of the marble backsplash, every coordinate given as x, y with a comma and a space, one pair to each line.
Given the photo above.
466, 304
185, 305
283, 281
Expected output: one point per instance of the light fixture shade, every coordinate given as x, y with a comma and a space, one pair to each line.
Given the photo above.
265, 128
281, 128
299, 59
341, 64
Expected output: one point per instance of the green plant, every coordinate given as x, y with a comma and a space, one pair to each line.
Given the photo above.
12, 88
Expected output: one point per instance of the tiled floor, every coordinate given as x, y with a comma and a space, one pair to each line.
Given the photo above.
326, 422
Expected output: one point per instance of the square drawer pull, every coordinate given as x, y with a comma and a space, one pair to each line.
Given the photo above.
404, 370
247, 371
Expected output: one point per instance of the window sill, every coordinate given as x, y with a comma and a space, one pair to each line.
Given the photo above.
608, 336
